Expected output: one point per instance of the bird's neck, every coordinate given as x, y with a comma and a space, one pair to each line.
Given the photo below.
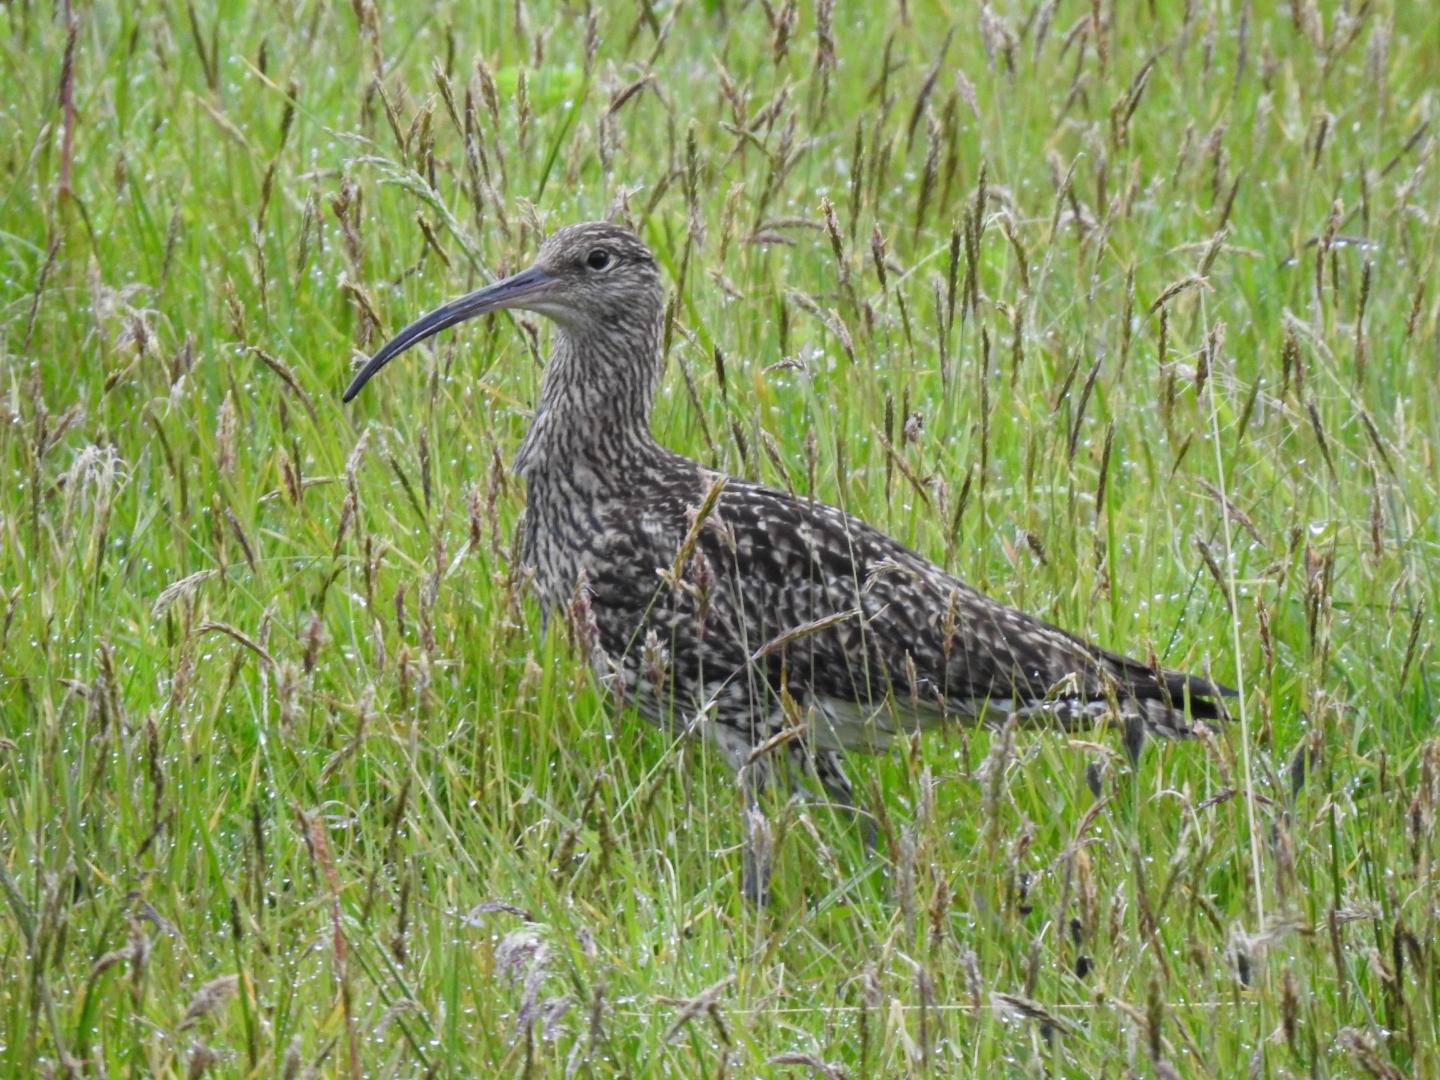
592, 422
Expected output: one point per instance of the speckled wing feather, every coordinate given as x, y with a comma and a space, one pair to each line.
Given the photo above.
871, 637
934, 645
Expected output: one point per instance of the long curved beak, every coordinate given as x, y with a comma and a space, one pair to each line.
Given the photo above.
517, 290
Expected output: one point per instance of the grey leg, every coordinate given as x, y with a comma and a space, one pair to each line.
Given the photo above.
754, 777
827, 766
831, 774
755, 861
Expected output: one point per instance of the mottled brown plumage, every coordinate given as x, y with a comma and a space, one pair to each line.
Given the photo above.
726, 605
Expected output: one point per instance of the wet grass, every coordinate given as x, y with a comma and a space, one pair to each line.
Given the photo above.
1125, 315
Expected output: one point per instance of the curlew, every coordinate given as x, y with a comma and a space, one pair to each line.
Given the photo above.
787, 630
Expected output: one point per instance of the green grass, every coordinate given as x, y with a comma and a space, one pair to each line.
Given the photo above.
289, 775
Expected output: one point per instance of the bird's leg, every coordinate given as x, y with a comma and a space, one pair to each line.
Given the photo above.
759, 843
755, 864
754, 776
1134, 735
827, 766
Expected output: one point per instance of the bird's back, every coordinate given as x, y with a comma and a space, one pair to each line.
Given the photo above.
866, 638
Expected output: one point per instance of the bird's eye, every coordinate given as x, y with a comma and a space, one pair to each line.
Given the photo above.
598, 259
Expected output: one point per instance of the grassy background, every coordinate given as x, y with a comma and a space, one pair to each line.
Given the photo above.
1122, 312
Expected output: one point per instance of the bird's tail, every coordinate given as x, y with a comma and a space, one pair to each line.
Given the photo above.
1143, 700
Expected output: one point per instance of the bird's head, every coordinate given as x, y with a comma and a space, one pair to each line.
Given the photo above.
591, 276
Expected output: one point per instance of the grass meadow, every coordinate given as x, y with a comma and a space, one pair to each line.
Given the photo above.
1123, 312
